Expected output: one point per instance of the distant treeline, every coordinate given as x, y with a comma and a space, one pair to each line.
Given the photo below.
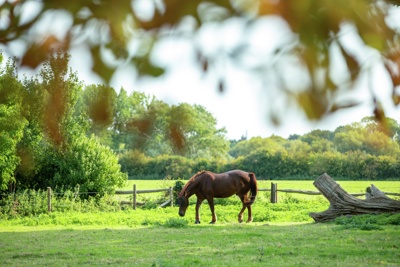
288, 159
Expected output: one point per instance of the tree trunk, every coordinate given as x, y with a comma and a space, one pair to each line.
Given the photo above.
342, 203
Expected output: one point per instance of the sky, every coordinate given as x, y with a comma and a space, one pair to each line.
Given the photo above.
245, 106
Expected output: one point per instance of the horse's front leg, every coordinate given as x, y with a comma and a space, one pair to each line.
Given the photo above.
198, 204
211, 204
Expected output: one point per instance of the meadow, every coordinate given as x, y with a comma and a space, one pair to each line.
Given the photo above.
282, 234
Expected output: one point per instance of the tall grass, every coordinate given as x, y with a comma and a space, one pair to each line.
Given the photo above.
34, 203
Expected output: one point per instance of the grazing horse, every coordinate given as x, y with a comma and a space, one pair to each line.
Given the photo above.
208, 185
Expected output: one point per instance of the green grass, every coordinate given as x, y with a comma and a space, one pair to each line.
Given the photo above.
282, 234
200, 245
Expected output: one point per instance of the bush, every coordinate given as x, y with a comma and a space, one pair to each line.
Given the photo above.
86, 163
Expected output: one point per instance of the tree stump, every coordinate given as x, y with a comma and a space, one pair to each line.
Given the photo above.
342, 203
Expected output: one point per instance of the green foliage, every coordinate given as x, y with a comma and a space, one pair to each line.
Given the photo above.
12, 123
368, 221
43, 129
176, 223
178, 188
87, 163
33, 204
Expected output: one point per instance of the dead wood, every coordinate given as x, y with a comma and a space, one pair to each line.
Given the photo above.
342, 203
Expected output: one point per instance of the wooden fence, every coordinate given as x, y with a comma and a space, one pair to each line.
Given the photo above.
274, 194
135, 192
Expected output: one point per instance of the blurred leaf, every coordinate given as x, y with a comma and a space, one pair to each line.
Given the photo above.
349, 104
352, 64
329, 83
53, 113
38, 53
144, 126
392, 66
145, 67
174, 10
313, 106
176, 136
395, 99
99, 66
395, 77
380, 117
101, 109
221, 85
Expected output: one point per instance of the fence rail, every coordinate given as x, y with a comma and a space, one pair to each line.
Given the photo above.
274, 192
134, 192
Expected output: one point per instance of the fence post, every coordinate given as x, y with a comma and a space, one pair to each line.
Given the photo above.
274, 193
171, 196
134, 196
49, 199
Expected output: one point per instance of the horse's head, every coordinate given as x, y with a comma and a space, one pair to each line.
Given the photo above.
183, 203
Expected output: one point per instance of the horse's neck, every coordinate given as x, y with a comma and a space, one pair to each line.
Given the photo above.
191, 189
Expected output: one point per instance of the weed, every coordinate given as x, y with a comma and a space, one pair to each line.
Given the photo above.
176, 223
362, 222
261, 251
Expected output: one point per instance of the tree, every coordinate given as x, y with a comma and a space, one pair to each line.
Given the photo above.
43, 141
12, 123
246, 147
315, 35
98, 104
349, 140
193, 131
61, 87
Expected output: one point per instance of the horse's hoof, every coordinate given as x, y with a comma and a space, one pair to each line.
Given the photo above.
240, 221
212, 222
197, 222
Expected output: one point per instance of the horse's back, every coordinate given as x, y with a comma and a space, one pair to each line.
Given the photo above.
229, 183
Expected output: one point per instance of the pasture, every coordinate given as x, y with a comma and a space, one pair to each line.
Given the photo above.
200, 245
282, 234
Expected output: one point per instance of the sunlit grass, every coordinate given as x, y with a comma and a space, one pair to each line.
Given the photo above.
201, 245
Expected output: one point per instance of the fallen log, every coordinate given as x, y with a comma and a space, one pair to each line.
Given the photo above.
342, 203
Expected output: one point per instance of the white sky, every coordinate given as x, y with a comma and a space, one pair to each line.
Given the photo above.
243, 108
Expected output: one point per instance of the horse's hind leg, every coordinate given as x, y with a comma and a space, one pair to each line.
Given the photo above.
211, 204
240, 216
249, 216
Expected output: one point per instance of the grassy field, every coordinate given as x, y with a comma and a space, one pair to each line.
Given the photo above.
200, 245
282, 234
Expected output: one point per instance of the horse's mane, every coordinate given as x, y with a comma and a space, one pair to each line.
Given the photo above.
191, 180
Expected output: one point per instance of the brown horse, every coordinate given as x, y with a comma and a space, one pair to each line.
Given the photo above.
208, 185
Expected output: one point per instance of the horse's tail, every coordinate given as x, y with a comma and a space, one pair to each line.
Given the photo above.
253, 188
